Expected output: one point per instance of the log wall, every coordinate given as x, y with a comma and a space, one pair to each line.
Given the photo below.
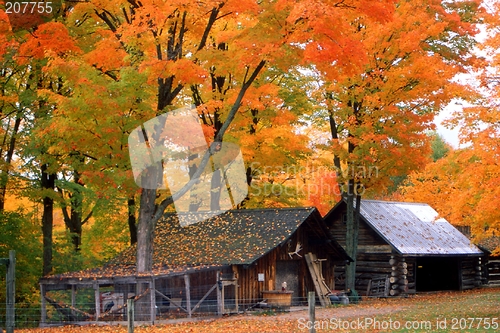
367, 236
399, 270
471, 275
492, 271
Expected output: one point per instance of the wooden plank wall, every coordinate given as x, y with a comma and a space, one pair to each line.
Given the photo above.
250, 289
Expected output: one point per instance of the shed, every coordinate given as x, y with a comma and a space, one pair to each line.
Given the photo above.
219, 265
410, 246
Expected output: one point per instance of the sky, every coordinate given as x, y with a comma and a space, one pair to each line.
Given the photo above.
450, 135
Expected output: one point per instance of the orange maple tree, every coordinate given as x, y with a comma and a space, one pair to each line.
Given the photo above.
464, 185
381, 101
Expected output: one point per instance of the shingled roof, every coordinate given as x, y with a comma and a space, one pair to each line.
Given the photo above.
236, 237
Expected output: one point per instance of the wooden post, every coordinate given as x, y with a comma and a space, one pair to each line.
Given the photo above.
220, 308
188, 294
10, 319
43, 318
153, 300
73, 295
97, 296
311, 301
130, 315
236, 295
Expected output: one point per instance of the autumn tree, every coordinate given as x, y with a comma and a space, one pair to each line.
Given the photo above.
381, 103
272, 136
440, 148
169, 40
463, 185
21, 107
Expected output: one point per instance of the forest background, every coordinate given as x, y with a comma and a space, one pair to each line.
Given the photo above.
321, 96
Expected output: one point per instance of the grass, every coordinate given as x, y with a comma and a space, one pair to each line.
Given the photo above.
474, 311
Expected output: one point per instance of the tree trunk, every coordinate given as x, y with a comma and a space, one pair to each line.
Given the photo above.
352, 233
73, 220
145, 248
48, 183
132, 226
145, 231
350, 273
4, 175
76, 222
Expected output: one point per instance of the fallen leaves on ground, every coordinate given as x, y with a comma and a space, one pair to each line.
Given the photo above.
430, 307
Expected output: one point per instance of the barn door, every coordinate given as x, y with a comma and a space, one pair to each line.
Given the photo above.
441, 273
288, 271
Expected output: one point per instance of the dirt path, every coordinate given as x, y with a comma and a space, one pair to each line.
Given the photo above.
350, 311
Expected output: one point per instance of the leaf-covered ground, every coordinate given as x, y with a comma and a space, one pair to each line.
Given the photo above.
470, 311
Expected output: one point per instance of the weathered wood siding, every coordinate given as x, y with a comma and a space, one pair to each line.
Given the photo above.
250, 289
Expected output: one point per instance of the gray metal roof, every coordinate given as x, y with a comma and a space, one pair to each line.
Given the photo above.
415, 229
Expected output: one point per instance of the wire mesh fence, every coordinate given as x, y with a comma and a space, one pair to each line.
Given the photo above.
26, 315
58, 312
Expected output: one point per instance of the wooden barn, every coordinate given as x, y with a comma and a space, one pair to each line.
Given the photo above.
226, 263
405, 248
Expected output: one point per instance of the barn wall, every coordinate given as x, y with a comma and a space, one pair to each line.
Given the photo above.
491, 267
372, 258
471, 272
368, 238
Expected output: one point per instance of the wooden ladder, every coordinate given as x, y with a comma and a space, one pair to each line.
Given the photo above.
314, 265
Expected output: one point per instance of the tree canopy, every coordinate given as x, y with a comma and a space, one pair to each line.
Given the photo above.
319, 95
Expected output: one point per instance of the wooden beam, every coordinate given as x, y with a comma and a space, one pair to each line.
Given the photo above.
179, 305
73, 295
153, 300
97, 296
220, 305
188, 294
315, 270
43, 317
206, 295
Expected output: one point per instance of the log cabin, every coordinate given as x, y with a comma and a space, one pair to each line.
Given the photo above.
226, 263
405, 248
